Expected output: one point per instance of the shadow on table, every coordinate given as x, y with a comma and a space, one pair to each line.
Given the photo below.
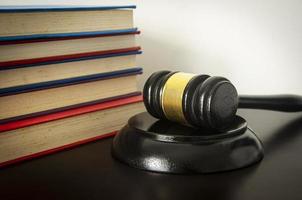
284, 136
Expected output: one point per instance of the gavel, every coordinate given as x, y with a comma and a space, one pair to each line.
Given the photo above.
205, 101
208, 136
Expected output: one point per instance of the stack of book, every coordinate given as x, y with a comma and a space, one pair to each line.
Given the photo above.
67, 77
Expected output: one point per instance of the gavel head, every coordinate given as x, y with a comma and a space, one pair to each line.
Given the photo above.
190, 99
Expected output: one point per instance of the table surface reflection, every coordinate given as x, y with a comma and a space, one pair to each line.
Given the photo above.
89, 171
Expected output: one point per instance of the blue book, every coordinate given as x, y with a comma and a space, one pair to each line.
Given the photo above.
45, 8
69, 81
53, 96
39, 22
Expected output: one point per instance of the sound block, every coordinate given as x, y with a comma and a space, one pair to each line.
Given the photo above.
161, 146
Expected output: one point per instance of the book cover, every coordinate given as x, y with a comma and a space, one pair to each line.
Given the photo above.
3, 42
52, 8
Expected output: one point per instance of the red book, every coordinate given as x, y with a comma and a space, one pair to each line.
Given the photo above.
37, 136
64, 58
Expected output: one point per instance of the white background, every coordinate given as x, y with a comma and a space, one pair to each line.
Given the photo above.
257, 44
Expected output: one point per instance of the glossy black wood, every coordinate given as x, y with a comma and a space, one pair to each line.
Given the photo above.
189, 99
162, 146
208, 102
149, 92
216, 103
285, 103
157, 88
89, 171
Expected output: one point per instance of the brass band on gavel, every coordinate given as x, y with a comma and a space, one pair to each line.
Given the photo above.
190, 99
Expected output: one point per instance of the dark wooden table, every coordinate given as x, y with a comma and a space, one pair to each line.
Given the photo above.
89, 171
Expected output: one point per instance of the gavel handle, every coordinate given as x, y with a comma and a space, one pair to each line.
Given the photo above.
285, 103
